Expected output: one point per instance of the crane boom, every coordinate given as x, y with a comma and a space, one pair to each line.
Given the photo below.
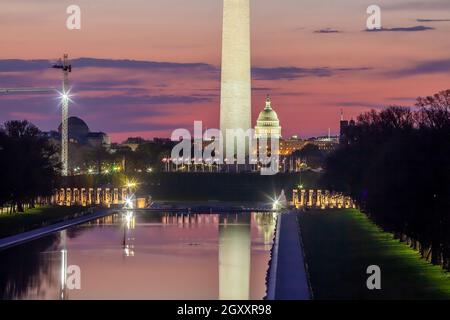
23, 90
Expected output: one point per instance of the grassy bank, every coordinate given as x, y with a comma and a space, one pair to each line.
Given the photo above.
11, 224
341, 244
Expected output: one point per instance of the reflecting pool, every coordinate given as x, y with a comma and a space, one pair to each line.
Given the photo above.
145, 255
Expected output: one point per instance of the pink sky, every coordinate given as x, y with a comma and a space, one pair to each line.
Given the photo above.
310, 75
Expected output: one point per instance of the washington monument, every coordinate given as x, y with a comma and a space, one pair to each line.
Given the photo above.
235, 103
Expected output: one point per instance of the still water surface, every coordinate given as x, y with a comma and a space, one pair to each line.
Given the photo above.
145, 256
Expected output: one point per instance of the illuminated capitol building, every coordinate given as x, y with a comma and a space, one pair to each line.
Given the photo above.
268, 125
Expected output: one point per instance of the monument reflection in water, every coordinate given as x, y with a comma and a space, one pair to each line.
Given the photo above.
234, 257
145, 256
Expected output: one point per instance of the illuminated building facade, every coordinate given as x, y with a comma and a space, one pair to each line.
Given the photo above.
327, 144
268, 124
289, 146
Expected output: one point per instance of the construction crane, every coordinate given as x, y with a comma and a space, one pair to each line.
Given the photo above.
66, 67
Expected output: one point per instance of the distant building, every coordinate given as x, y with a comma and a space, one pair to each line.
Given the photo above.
133, 143
163, 142
268, 124
79, 133
346, 130
326, 144
98, 139
78, 130
293, 144
268, 127
290, 145
116, 147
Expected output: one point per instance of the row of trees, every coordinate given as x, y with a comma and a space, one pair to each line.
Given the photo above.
28, 165
311, 155
397, 166
100, 160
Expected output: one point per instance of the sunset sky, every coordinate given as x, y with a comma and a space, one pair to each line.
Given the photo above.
313, 57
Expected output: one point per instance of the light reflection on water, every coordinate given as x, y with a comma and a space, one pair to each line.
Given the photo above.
146, 256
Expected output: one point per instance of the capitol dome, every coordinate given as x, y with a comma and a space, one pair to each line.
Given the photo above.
78, 129
268, 123
268, 116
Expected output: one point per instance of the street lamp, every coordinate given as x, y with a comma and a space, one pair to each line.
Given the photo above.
131, 185
275, 205
129, 203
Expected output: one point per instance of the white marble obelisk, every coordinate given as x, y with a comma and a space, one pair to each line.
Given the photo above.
235, 105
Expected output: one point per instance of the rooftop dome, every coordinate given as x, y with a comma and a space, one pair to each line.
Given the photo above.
268, 123
268, 115
78, 129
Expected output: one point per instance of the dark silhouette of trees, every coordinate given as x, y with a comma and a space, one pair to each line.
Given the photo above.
147, 155
396, 165
311, 154
28, 165
97, 157
151, 154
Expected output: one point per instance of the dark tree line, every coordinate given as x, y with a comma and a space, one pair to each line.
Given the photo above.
311, 155
99, 159
396, 165
28, 166
147, 155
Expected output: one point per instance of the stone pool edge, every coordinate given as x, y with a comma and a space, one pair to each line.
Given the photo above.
288, 277
271, 278
23, 237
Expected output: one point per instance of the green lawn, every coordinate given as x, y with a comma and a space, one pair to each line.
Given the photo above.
11, 224
341, 244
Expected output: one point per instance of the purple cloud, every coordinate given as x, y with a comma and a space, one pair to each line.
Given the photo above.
419, 5
426, 67
433, 20
293, 73
327, 30
401, 29
15, 65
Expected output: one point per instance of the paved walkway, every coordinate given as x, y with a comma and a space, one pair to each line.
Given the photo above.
291, 282
37, 233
